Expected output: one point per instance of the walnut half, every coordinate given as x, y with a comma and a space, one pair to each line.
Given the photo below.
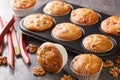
117, 60
107, 63
66, 77
115, 71
32, 48
3, 60
38, 71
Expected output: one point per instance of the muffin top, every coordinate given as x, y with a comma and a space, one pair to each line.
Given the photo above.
97, 43
86, 64
111, 25
49, 57
38, 22
66, 31
84, 16
57, 8
22, 4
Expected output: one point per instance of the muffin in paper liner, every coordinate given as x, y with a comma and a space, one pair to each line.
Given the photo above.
97, 43
67, 32
22, 8
52, 57
111, 25
22, 12
84, 75
57, 8
38, 22
84, 16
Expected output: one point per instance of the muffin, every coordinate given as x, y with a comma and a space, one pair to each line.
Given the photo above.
57, 8
84, 16
111, 25
97, 43
52, 57
86, 66
66, 31
38, 22
22, 8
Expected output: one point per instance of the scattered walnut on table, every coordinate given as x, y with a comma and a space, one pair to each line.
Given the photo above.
38, 71
32, 48
107, 63
115, 71
117, 60
3, 60
66, 77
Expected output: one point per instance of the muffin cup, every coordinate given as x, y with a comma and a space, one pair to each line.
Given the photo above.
53, 36
63, 54
22, 12
88, 76
64, 39
58, 15
95, 51
86, 24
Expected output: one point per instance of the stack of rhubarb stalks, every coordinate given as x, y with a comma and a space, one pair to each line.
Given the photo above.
14, 46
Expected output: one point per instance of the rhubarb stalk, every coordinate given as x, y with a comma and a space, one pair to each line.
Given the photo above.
2, 40
23, 49
15, 41
6, 28
11, 50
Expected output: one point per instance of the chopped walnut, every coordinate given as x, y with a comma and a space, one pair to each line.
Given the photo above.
117, 60
107, 63
3, 60
115, 71
32, 48
38, 71
66, 77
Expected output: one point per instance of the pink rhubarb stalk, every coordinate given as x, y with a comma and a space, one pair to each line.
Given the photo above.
15, 41
6, 28
10, 50
23, 50
2, 40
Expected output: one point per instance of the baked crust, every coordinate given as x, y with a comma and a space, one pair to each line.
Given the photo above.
97, 43
49, 57
86, 64
84, 16
38, 22
57, 8
111, 25
23, 4
66, 31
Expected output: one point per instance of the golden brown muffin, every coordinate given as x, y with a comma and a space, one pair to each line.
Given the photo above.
97, 43
57, 8
22, 4
66, 31
84, 16
50, 57
86, 64
38, 22
111, 25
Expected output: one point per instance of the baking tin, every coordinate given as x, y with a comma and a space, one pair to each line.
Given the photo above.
76, 45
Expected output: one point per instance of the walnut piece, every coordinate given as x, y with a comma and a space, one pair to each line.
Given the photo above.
32, 48
3, 60
117, 60
107, 63
115, 71
38, 71
66, 77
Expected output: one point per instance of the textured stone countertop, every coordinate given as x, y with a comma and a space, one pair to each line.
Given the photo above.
23, 71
